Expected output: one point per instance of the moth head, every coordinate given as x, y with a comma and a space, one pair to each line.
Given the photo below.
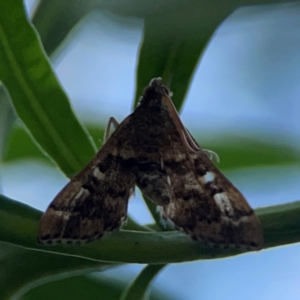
154, 92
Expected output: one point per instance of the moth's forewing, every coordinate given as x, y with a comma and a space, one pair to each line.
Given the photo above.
95, 200
208, 207
202, 201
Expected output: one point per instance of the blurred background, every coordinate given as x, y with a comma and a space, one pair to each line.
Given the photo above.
243, 103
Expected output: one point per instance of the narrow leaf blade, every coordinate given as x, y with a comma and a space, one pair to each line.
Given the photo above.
37, 96
139, 289
19, 223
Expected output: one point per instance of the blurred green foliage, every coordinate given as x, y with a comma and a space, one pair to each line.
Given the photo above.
175, 35
236, 152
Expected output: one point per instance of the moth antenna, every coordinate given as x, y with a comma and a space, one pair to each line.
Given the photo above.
212, 155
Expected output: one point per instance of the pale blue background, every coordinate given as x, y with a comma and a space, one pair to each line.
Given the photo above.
247, 83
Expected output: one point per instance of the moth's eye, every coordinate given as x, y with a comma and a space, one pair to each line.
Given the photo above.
148, 91
155, 89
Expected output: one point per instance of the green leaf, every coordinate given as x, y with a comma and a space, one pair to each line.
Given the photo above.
242, 152
139, 289
206, 10
21, 146
20, 267
36, 94
168, 56
79, 287
173, 41
7, 118
47, 24
85, 287
55, 19
19, 223
235, 152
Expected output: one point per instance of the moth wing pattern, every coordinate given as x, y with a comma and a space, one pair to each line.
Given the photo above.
208, 207
200, 200
94, 201
152, 149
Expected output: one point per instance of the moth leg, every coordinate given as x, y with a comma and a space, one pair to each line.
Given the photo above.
212, 155
191, 143
111, 122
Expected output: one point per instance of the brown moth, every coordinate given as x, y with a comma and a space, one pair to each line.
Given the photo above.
152, 150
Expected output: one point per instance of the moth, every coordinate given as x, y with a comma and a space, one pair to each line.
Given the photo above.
151, 149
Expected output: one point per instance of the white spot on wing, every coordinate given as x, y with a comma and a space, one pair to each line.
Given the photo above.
59, 213
98, 174
223, 203
64, 214
82, 192
169, 180
79, 193
208, 177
